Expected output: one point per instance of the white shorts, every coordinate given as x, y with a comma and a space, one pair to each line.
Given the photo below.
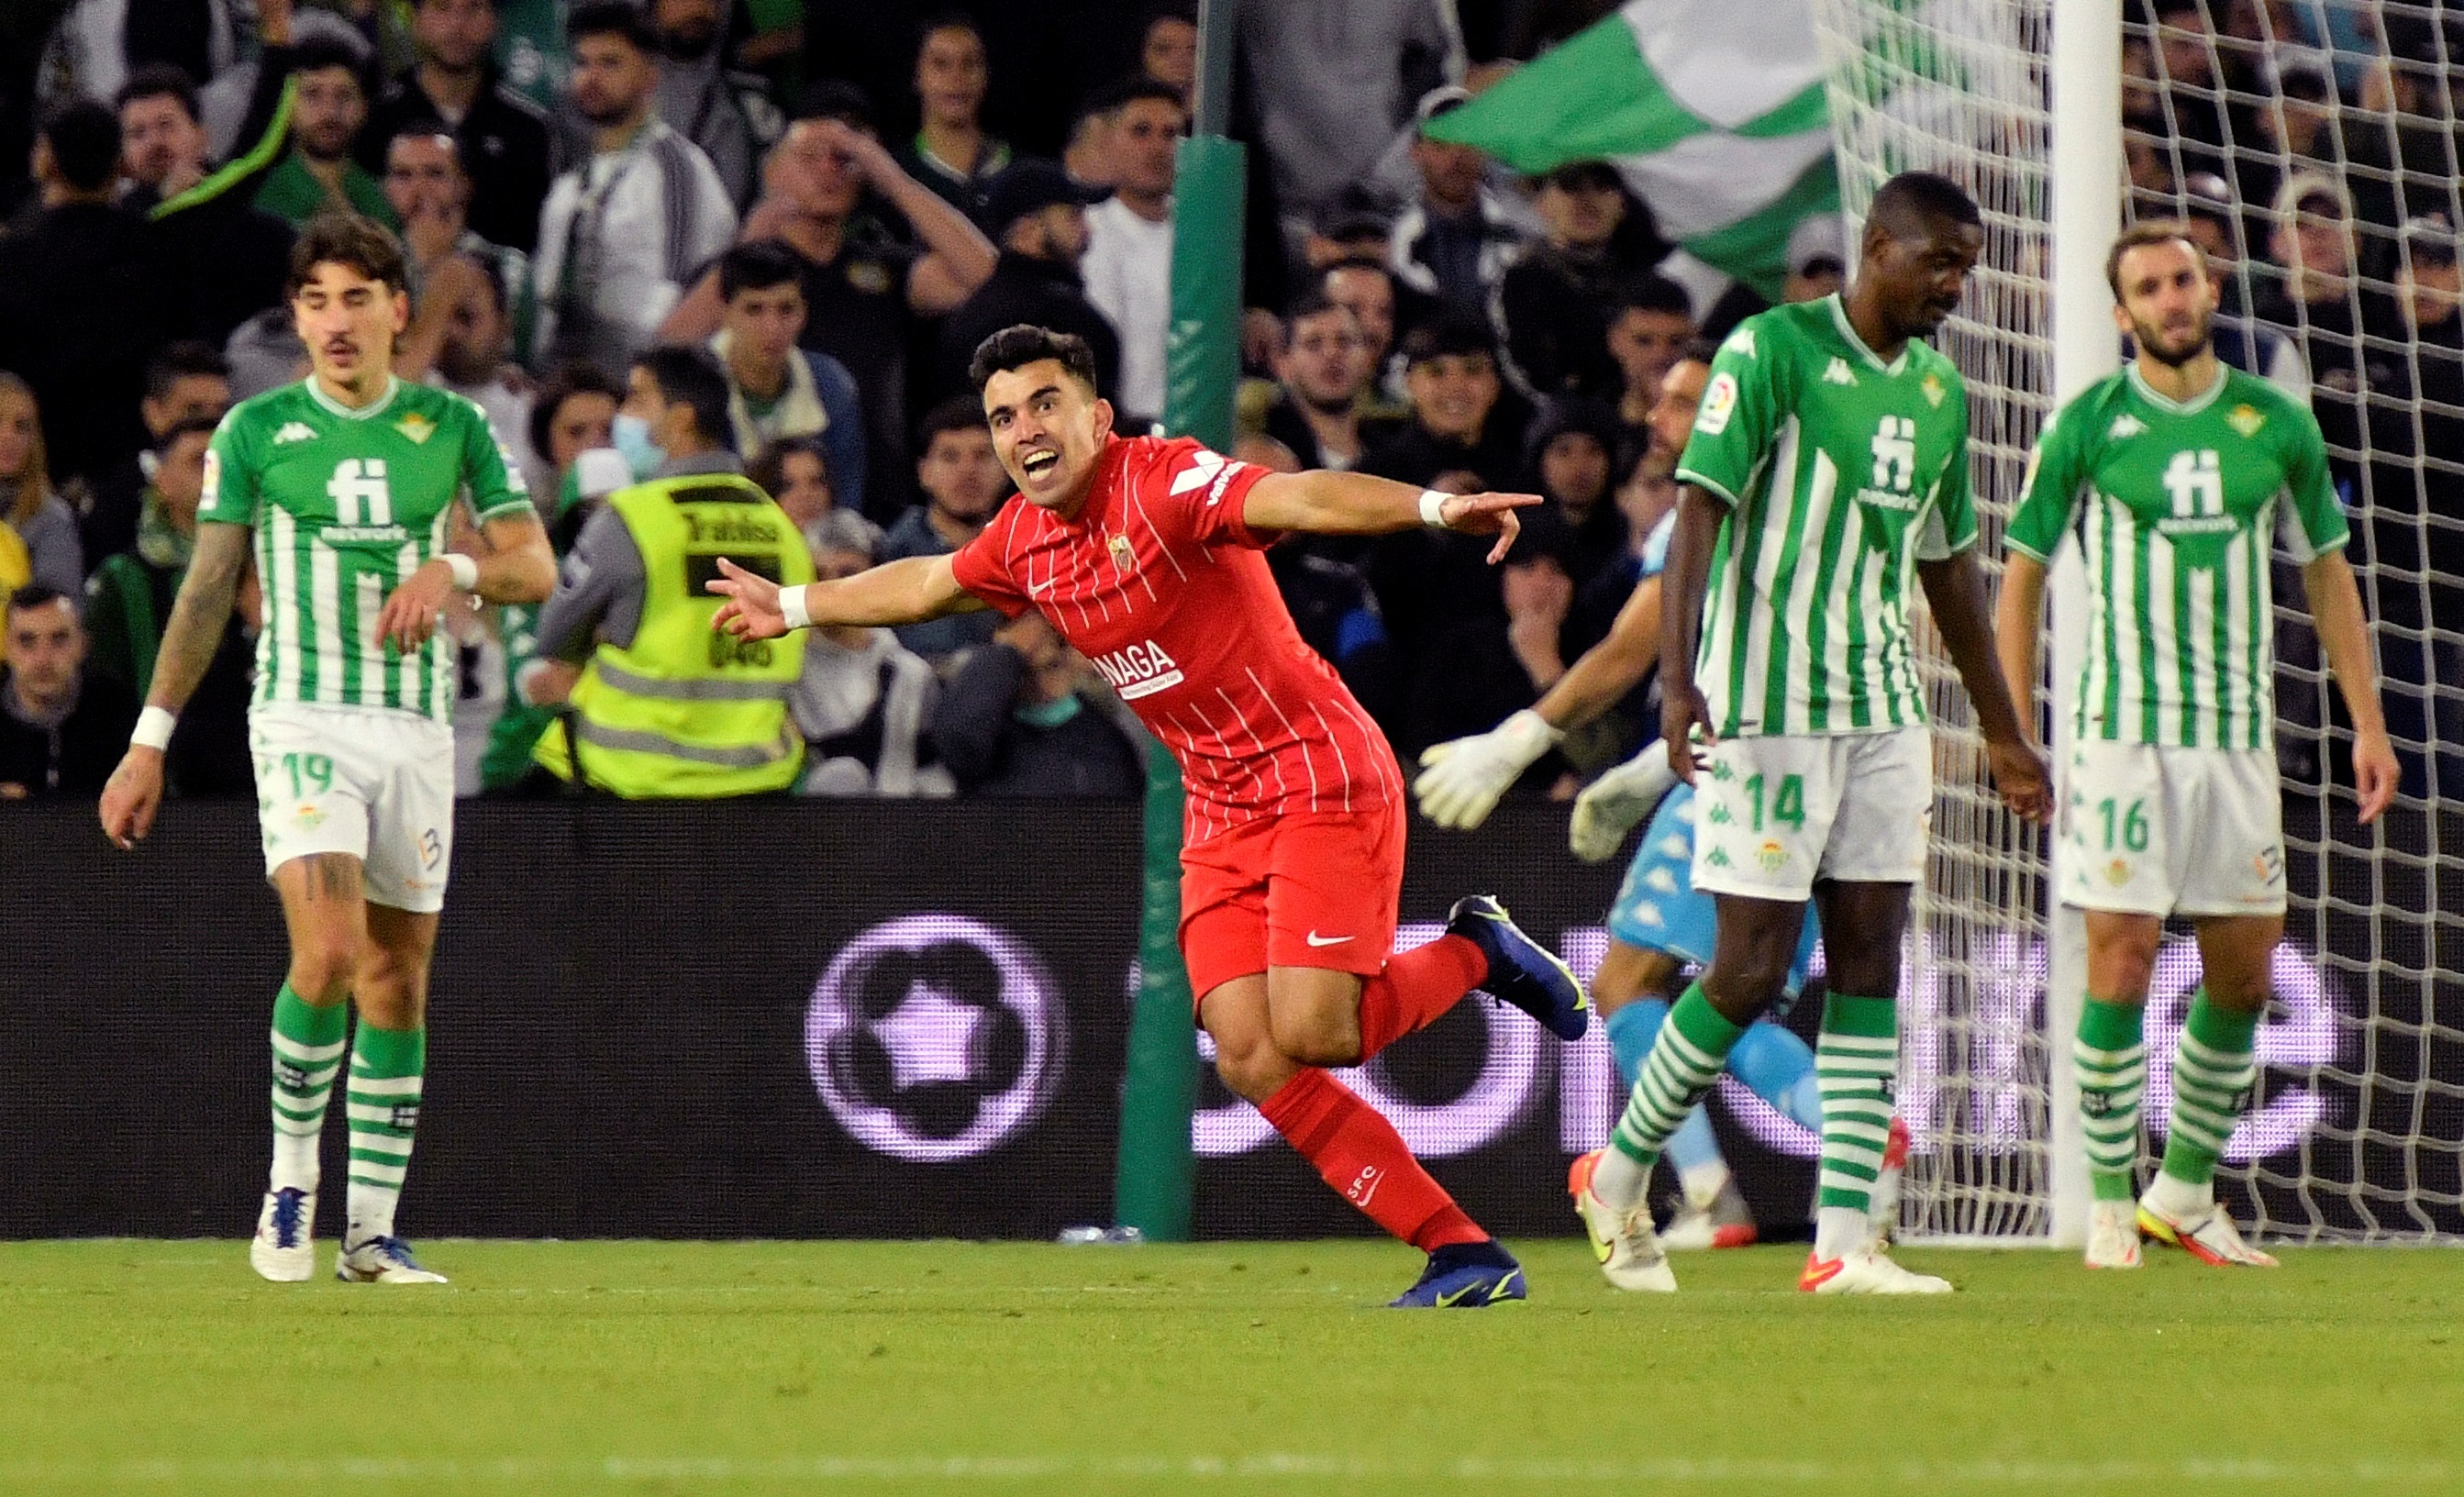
378, 786
2148, 829
1776, 815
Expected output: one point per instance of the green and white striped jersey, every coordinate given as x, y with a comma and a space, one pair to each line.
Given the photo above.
345, 505
2176, 505
1840, 472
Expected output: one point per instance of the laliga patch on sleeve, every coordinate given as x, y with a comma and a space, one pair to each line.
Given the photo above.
1718, 403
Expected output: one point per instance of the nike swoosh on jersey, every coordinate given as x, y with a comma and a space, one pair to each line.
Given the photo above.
1315, 940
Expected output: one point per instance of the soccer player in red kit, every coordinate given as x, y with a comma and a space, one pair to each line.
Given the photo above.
1147, 555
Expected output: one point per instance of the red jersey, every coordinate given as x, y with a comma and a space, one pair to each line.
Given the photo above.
1164, 586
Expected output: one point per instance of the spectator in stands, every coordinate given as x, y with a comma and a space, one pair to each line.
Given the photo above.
1465, 433
621, 231
474, 360
952, 153
2417, 423
2203, 128
776, 389
1570, 445
796, 471
500, 137
729, 119
1553, 304
2297, 132
1020, 719
1087, 155
62, 727
963, 485
573, 412
2401, 143
1335, 82
1321, 373
865, 705
1352, 228
1649, 326
1127, 265
431, 191
31, 507
1384, 309
1168, 47
184, 381
162, 146
85, 299
227, 259
2207, 211
1484, 667
863, 292
1455, 240
1039, 216
2312, 301
329, 104
128, 600
98, 45
1818, 258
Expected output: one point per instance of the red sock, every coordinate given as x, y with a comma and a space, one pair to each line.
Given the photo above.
1417, 986
1358, 1153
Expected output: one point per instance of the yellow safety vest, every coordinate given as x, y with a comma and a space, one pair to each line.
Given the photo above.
685, 711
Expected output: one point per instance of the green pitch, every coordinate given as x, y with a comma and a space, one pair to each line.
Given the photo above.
744, 1368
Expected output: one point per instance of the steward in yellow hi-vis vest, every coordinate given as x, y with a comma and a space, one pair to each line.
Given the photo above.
666, 707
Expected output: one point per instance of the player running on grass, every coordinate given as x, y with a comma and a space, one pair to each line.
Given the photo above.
1828, 462
1145, 555
343, 483
2175, 477
1659, 922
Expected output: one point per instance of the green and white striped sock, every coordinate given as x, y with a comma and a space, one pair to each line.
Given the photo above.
2109, 1055
1856, 1065
307, 1052
1685, 1062
2213, 1074
386, 1066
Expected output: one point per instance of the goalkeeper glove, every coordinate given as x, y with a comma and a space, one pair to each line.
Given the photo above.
1460, 780
1611, 806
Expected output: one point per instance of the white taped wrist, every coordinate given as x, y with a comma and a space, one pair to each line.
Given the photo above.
465, 570
791, 606
1433, 508
153, 730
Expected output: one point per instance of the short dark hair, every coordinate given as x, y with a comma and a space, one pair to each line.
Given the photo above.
574, 377
612, 18
1910, 204
1312, 301
179, 361
946, 21
2304, 84
1182, 11
84, 138
691, 375
757, 265
351, 239
1110, 99
160, 80
320, 50
1023, 344
1449, 335
188, 426
768, 470
957, 413
1698, 350
836, 98
1651, 293
2153, 231
34, 595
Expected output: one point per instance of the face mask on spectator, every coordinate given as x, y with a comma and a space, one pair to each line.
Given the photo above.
632, 437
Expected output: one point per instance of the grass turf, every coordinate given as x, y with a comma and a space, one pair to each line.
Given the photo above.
689, 1368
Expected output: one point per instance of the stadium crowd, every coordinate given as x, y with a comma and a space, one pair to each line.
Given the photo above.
833, 208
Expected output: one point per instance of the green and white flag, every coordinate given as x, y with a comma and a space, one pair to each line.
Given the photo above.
1712, 109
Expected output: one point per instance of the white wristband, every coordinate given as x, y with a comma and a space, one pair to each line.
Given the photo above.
465, 570
1433, 508
154, 727
791, 606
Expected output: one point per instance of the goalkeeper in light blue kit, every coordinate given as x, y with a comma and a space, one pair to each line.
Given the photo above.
2177, 478
1660, 923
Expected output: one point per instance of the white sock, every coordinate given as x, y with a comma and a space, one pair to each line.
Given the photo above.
1704, 1182
1841, 1230
295, 1162
1621, 1180
2178, 1198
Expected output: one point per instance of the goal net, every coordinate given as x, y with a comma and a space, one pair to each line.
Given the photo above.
2346, 286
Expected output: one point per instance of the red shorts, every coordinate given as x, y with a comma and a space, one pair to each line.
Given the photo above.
1316, 890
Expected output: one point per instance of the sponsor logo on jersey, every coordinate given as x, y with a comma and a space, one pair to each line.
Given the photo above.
1718, 403
2124, 426
294, 431
1124, 555
1772, 856
1838, 372
416, 427
1139, 670
2246, 420
1934, 390
1895, 453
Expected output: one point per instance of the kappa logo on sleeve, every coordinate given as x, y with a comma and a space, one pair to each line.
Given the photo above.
1204, 467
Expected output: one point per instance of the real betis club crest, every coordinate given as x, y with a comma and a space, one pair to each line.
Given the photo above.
416, 427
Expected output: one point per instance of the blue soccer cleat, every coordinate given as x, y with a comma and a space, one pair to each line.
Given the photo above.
1465, 1276
1521, 971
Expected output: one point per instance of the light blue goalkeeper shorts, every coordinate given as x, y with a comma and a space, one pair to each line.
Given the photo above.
1658, 909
